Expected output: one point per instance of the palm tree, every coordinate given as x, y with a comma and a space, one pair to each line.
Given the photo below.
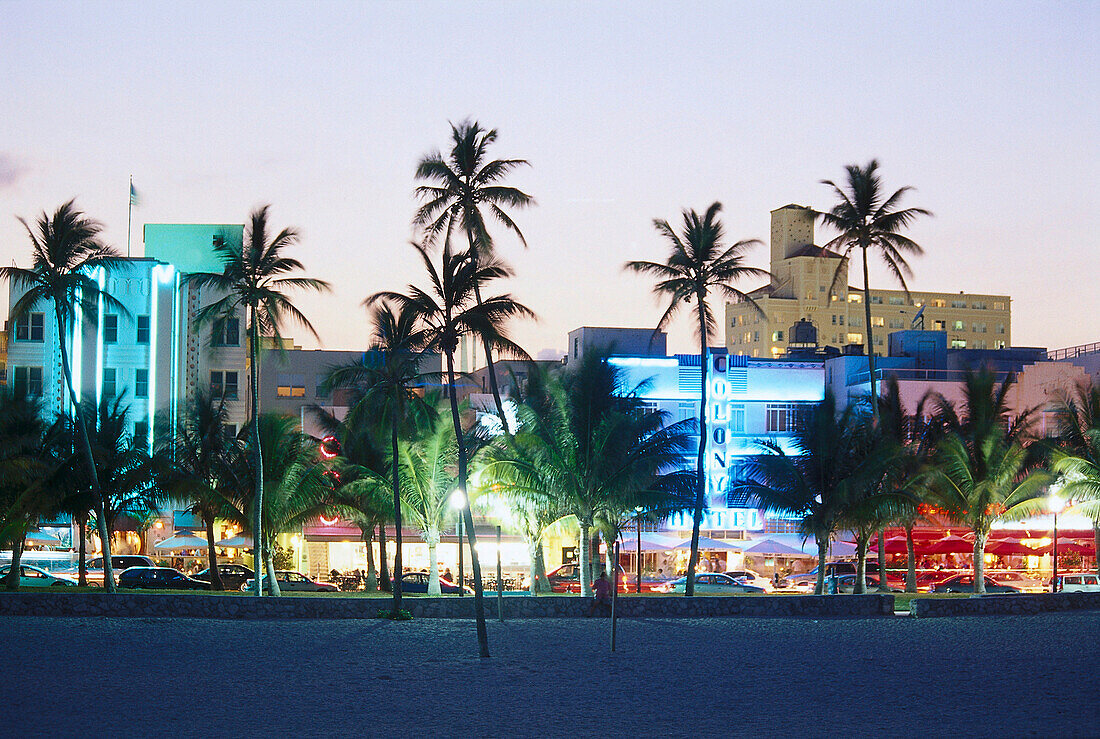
448, 310
296, 489
255, 279
830, 465
869, 221
587, 445
1077, 457
193, 467
25, 473
699, 261
388, 378
65, 251
460, 187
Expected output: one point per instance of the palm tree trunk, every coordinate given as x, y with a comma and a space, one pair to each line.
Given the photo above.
257, 457
870, 342
584, 560
700, 471
467, 514
433, 565
490, 368
212, 556
372, 573
538, 566
979, 561
1096, 544
11, 581
384, 569
82, 565
89, 459
860, 585
269, 566
911, 561
822, 553
883, 586
396, 479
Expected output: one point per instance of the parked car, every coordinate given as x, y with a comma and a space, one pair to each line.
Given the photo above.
233, 576
566, 579
34, 577
710, 582
805, 582
751, 577
294, 582
417, 582
965, 584
119, 562
159, 578
1021, 582
1078, 582
847, 584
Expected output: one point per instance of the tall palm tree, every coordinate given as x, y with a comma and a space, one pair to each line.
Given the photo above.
589, 446
193, 464
1077, 457
255, 279
868, 220
699, 262
26, 470
65, 250
296, 489
461, 186
831, 464
449, 310
388, 378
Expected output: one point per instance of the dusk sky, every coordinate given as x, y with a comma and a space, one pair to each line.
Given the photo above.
627, 112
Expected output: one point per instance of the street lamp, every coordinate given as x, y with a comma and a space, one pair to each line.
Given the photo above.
638, 535
458, 499
1056, 504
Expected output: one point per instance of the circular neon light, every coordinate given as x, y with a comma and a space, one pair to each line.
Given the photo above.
329, 521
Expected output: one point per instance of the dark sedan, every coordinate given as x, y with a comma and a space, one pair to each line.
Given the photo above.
965, 584
233, 576
417, 582
159, 578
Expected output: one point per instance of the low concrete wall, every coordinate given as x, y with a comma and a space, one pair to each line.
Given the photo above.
147, 605
989, 605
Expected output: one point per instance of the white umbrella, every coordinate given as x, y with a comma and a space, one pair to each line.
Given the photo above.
42, 538
708, 544
774, 548
240, 541
650, 543
180, 541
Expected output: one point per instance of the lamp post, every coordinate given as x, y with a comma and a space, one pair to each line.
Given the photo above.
638, 536
457, 501
1056, 504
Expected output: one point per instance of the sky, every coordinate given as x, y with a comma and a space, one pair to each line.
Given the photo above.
626, 113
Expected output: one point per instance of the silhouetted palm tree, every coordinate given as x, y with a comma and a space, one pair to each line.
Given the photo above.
870, 221
255, 279
26, 471
1077, 457
464, 183
65, 253
449, 310
699, 262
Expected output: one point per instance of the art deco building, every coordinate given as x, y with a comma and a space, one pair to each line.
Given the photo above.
802, 275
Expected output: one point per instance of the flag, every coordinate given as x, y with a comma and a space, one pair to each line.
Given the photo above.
135, 199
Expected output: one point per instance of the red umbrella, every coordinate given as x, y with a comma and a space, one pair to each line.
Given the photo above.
1010, 546
950, 544
1073, 546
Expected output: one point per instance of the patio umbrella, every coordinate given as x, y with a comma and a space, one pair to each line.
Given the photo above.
773, 548
1008, 547
1074, 546
950, 544
240, 541
41, 538
708, 544
650, 543
179, 541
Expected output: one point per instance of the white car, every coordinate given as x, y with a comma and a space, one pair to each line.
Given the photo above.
1079, 582
33, 577
750, 577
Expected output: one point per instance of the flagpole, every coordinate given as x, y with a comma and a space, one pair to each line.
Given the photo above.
129, 213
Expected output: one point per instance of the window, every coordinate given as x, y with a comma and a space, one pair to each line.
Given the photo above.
782, 417
230, 431
737, 418
938, 303
576, 348
958, 303
999, 344
110, 382
27, 381
855, 298
141, 383
777, 336
290, 386
978, 305
110, 328
877, 321
855, 338
958, 343
857, 322
1000, 328
876, 300
30, 327
897, 323
959, 326
230, 335
979, 328
939, 325
840, 320
897, 301
821, 288
223, 384
322, 391
998, 305
834, 319
141, 435
143, 329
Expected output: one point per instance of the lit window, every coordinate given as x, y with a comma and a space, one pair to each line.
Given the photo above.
855, 298
783, 417
110, 328
998, 305
939, 303
877, 321
958, 343
290, 386
143, 329
960, 326
777, 336
855, 338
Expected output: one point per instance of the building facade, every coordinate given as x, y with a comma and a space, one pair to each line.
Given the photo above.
802, 288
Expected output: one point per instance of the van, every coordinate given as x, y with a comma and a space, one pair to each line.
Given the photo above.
1079, 582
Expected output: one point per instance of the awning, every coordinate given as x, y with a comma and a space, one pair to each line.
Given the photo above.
773, 548
181, 540
650, 543
706, 544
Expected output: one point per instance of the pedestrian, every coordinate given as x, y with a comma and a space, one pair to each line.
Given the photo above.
601, 601
447, 575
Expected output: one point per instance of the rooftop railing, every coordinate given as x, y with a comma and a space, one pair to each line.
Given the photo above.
1073, 351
